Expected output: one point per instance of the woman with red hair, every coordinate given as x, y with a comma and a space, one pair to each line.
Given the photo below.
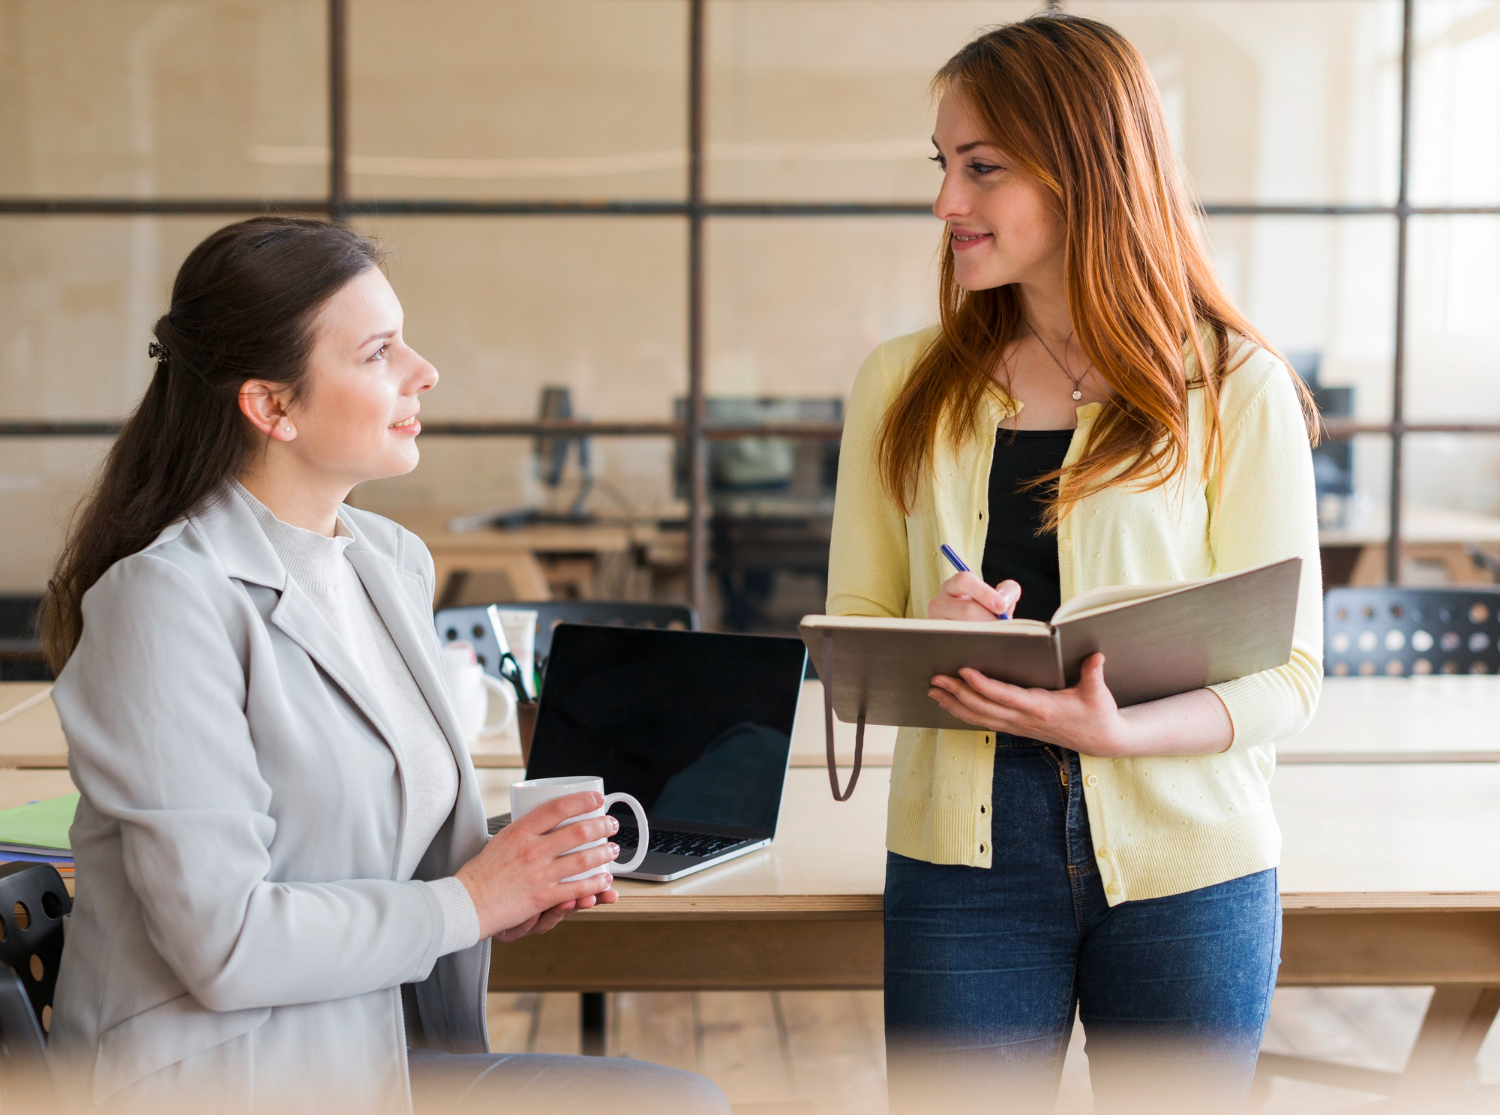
1092, 410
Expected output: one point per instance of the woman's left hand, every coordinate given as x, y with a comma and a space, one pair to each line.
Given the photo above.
548, 919
1082, 718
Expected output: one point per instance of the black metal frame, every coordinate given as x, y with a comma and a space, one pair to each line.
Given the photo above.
696, 209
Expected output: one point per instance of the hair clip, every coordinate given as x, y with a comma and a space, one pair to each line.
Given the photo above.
157, 351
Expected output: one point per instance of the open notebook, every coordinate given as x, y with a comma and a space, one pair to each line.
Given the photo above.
1157, 640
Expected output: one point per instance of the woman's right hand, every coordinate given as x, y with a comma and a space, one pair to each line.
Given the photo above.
517, 877
964, 596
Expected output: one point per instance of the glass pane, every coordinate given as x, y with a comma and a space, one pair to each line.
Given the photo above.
1452, 290
1268, 100
78, 297
796, 304
1322, 291
1456, 103
1280, 101
828, 99
524, 99
506, 306
154, 98
1451, 486
41, 481
1354, 488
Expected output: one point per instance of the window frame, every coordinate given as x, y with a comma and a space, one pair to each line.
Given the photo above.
696, 210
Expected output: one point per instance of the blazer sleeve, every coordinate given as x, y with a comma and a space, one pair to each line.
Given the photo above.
868, 565
1264, 508
153, 703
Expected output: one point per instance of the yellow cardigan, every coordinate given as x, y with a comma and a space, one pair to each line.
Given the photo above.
1160, 825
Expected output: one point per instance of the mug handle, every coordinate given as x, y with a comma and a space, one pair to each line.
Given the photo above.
641, 826
507, 697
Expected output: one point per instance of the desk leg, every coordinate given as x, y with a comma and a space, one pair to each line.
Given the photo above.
1454, 1028
594, 1015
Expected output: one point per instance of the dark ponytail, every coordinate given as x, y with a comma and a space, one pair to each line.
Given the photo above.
243, 306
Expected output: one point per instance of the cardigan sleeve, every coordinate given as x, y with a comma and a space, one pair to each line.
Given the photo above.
868, 571
1264, 508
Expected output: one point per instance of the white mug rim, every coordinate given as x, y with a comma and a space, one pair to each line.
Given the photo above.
556, 780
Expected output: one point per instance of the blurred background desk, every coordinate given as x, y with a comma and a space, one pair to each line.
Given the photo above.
537, 561
1460, 545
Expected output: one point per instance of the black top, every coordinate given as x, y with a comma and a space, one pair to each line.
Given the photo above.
1015, 549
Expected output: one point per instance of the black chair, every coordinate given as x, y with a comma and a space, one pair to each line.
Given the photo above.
33, 902
1398, 631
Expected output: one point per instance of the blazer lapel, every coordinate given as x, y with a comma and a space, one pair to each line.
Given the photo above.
300, 620
413, 635
247, 555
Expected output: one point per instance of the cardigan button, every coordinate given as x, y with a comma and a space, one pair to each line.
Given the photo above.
1091, 780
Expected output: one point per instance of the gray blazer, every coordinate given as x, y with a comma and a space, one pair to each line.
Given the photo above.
238, 923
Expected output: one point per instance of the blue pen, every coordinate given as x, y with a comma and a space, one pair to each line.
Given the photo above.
958, 563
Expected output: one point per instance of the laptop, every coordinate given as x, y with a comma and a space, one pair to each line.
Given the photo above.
696, 725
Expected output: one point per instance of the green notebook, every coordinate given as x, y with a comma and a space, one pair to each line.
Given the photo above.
39, 828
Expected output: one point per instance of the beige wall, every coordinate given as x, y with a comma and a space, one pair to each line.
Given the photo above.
808, 99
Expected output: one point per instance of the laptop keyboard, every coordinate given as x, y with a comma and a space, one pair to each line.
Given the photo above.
675, 843
669, 841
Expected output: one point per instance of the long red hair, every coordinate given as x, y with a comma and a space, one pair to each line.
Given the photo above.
1073, 103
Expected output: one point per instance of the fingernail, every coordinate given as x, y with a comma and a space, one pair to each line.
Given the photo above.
614, 851
608, 880
614, 825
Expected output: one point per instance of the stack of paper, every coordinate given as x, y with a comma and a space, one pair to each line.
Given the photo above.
38, 833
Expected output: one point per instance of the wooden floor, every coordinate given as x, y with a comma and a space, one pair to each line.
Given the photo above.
821, 1052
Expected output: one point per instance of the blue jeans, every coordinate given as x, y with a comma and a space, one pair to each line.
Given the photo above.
984, 968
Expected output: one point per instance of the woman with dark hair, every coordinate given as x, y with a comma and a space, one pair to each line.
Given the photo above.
1091, 411
286, 894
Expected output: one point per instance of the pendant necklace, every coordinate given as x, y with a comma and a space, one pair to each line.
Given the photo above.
1077, 383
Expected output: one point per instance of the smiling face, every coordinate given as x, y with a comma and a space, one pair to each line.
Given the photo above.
1004, 225
355, 415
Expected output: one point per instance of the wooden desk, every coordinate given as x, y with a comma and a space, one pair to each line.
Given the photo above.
30, 733
17, 696
1448, 718
21, 787
519, 553
1390, 876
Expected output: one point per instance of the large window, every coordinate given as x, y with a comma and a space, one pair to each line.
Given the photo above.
652, 201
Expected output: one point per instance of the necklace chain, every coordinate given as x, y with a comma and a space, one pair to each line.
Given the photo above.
1076, 382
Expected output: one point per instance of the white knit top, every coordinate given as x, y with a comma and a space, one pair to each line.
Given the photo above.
322, 570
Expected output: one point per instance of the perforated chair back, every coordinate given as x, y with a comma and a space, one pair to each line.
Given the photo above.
550, 613
1396, 631
33, 902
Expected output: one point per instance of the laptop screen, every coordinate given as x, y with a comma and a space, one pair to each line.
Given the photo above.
696, 725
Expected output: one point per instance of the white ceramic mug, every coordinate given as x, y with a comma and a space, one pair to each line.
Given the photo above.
475, 694
526, 796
